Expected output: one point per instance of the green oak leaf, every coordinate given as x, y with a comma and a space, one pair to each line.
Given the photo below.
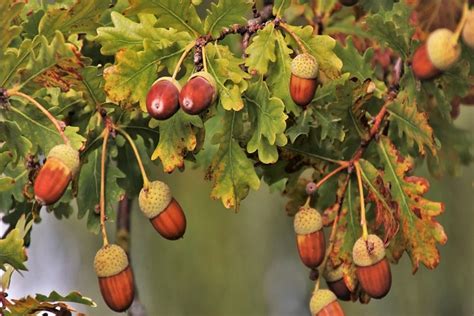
268, 118
261, 52
419, 231
88, 193
226, 13
82, 17
18, 145
279, 7
330, 127
73, 297
12, 251
177, 137
230, 78
176, 14
279, 75
12, 61
127, 34
231, 172
8, 12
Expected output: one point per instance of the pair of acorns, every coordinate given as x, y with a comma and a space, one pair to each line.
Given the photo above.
111, 262
372, 267
441, 50
166, 96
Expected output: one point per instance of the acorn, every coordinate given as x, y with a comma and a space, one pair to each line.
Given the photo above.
372, 267
303, 82
324, 303
310, 240
115, 277
438, 54
198, 93
348, 3
61, 166
162, 100
164, 212
335, 281
468, 30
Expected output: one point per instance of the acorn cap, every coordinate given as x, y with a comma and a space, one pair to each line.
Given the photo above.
305, 66
110, 260
307, 220
154, 200
332, 275
67, 155
321, 299
441, 51
170, 79
361, 255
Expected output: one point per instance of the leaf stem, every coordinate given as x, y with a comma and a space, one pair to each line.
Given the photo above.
285, 27
102, 185
53, 120
146, 182
187, 49
459, 27
204, 61
363, 220
312, 155
343, 166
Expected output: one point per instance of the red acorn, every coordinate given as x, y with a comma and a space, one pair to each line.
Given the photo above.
303, 82
324, 303
372, 267
162, 100
438, 54
198, 93
54, 176
334, 279
309, 236
164, 212
115, 277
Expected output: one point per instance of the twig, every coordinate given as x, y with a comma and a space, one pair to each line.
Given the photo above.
363, 221
102, 185
287, 29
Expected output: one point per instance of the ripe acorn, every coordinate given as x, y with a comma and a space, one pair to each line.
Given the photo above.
310, 240
162, 100
372, 267
348, 3
61, 166
164, 212
115, 277
324, 303
468, 30
198, 93
438, 54
303, 82
335, 281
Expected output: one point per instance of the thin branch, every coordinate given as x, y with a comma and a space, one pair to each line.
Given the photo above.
102, 185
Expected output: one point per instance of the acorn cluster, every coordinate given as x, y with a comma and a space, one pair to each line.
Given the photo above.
368, 254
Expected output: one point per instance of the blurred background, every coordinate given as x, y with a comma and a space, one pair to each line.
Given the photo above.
246, 263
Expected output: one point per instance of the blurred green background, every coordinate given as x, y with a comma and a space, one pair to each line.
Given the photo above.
246, 263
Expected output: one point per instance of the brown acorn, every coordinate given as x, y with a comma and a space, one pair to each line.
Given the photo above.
468, 30
324, 303
310, 240
61, 166
164, 212
372, 267
335, 281
348, 3
198, 93
438, 54
115, 277
162, 100
303, 82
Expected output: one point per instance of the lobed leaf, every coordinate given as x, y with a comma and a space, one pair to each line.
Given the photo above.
226, 13
261, 52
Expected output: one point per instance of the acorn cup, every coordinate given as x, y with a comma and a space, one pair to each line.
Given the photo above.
324, 303
372, 267
303, 81
468, 30
162, 100
198, 93
61, 166
164, 212
115, 277
310, 240
436, 55
335, 281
